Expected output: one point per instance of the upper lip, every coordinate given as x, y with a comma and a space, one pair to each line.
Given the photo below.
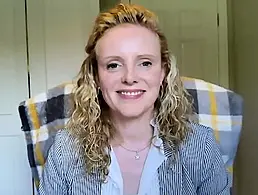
130, 90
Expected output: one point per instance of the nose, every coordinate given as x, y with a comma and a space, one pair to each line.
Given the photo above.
129, 77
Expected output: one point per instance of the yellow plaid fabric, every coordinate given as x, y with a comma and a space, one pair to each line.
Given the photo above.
44, 114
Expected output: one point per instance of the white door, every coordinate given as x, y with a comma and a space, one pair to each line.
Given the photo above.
192, 32
15, 176
58, 31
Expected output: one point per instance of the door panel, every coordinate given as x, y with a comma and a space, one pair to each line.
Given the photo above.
107, 4
58, 31
191, 30
15, 177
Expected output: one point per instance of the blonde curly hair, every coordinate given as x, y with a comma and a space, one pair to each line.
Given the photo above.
90, 122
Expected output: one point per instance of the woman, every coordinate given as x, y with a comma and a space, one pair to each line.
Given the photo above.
131, 131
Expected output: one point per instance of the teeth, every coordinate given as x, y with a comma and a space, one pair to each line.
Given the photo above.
131, 93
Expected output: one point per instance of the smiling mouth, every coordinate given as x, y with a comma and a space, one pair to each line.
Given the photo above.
131, 93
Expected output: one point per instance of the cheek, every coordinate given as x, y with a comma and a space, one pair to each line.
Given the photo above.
155, 79
103, 79
107, 82
105, 85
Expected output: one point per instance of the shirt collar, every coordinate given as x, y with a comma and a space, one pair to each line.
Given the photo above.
157, 141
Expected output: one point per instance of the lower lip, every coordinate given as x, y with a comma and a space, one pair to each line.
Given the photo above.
131, 97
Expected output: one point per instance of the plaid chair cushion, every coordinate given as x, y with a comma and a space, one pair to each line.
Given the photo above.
43, 115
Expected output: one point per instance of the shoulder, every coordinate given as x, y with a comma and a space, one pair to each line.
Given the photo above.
199, 144
65, 142
61, 164
200, 153
65, 150
197, 138
64, 138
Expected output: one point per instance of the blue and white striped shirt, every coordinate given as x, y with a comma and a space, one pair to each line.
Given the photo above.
197, 170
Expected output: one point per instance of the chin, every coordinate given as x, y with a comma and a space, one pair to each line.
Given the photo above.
131, 109
131, 113
134, 111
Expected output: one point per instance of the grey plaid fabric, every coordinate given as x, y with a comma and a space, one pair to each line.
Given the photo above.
43, 115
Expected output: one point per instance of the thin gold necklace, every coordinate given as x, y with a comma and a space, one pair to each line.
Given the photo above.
136, 156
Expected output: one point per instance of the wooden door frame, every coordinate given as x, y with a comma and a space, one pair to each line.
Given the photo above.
223, 66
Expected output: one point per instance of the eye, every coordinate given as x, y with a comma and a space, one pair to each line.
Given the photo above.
146, 63
112, 66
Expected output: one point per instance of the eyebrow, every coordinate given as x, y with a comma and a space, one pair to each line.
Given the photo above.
146, 56
120, 58
112, 58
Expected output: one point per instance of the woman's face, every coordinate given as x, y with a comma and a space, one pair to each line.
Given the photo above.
129, 69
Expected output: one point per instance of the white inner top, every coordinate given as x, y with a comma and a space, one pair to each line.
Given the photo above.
128, 184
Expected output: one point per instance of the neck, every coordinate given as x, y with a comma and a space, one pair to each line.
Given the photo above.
133, 130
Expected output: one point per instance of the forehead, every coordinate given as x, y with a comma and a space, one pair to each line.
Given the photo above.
128, 39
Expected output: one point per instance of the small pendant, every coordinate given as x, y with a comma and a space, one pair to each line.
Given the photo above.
137, 157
